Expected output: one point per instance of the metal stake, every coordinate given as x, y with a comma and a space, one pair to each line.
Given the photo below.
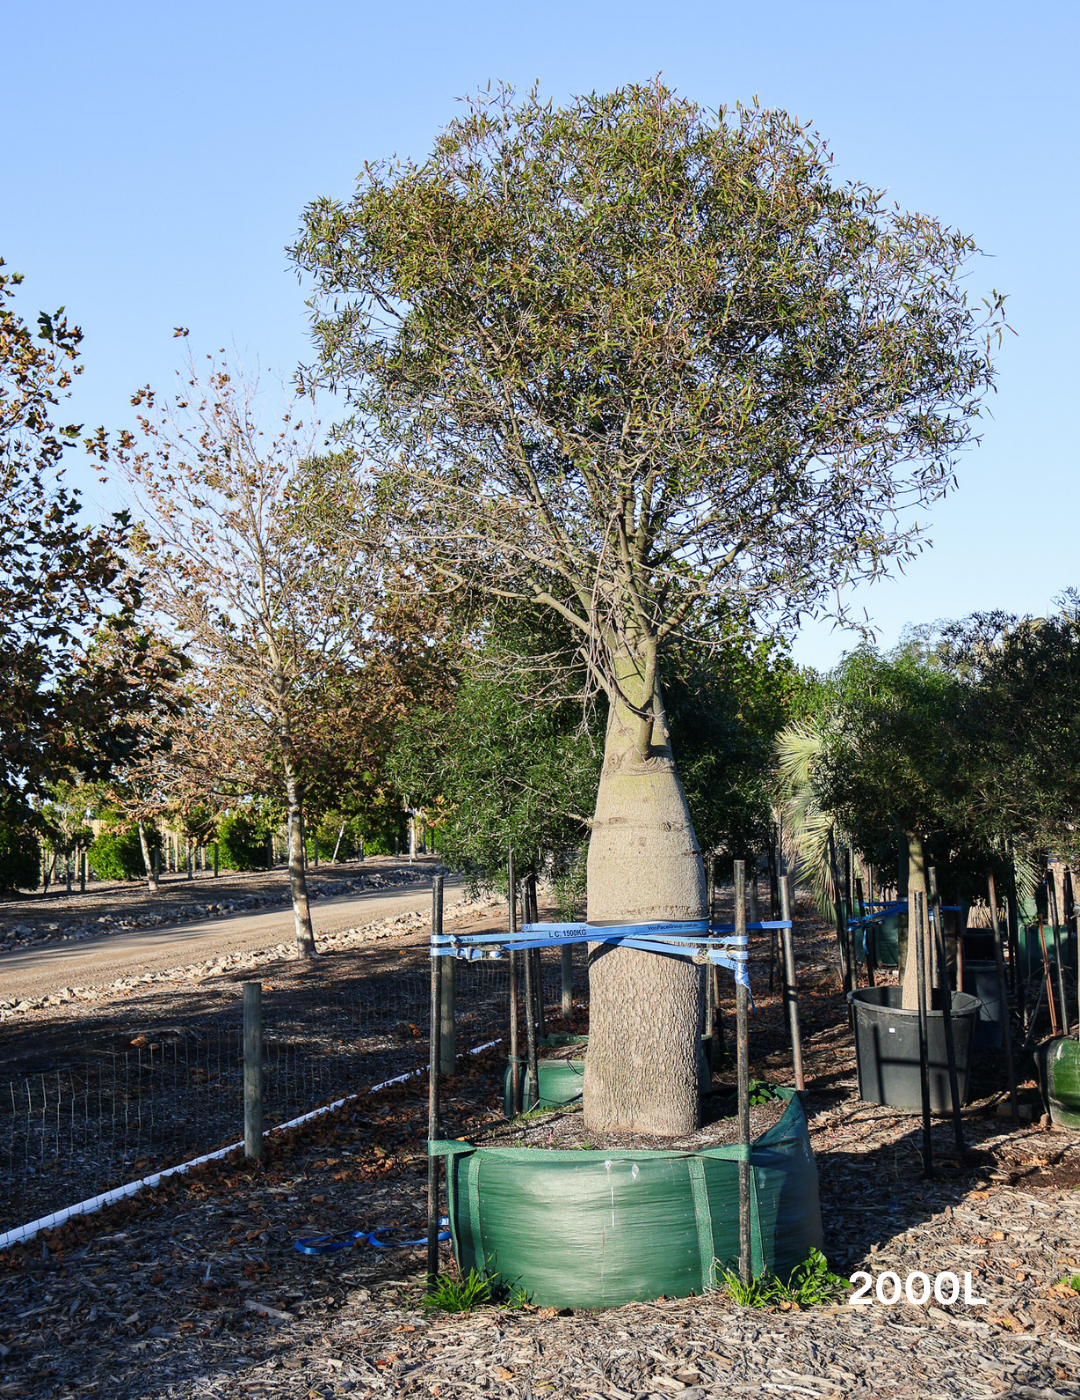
434, 1058
791, 986
530, 1033
515, 1056
746, 1263
946, 1013
1051, 889
915, 930
1003, 994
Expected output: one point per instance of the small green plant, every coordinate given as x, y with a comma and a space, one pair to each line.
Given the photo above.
810, 1284
1073, 1283
760, 1092
514, 1298
458, 1295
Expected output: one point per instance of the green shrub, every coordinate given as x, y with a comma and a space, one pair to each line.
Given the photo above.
241, 843
20, 856
117, 854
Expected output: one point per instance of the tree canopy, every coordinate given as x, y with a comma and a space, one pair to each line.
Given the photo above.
79, 670
644, 365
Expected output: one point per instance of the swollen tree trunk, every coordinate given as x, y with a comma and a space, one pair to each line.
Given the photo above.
641, 1067
916, 884
151, 874
305, 934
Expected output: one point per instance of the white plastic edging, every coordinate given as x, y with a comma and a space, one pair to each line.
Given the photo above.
118, 1193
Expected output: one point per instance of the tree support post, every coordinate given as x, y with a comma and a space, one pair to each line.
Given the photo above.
945, 988
515, 1051
1051, 1004
1052, 901
791, 986
746, 1263
841, 930
916, 915
530, 1031
1003, 996
447, 999
216, 858
434, 1060
253, 1071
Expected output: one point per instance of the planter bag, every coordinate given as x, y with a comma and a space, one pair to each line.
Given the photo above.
559, 1080
596, 1229
1059, 1078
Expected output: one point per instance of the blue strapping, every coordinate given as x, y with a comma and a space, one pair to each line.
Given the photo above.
328, 1244
686, 938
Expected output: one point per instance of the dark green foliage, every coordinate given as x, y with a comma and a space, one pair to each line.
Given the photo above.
724, 710
20, 855
117, 854
502, 771
241, 843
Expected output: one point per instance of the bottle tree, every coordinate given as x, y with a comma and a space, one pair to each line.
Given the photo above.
647, 366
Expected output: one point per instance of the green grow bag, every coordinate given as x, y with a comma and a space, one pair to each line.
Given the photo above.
595, 1229
559, 1080
1030, 948
882, 938
1059, 1077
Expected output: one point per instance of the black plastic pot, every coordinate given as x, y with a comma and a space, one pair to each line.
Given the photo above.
887, 1048
981, 981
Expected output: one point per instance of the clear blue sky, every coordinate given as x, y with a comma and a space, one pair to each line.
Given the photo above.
159, 158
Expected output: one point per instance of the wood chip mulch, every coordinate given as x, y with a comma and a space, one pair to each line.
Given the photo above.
195, 1289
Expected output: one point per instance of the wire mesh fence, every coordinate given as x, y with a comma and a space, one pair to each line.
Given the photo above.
113, 1116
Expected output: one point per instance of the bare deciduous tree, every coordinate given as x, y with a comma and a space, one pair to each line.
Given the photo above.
267, 612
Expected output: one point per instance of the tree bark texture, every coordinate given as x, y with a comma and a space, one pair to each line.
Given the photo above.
148, 863
305, 934
641, 1066
916, 884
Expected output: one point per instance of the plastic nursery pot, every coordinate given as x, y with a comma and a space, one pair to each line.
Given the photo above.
595, 1229
887, 1048
981, 981
1058, 1062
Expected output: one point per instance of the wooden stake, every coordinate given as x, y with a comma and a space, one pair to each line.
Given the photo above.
566, 969
434, 1059
1003, 996
1046, 974
746, 1263
253, 1071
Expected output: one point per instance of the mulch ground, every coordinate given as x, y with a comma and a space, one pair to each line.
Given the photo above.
195, 1289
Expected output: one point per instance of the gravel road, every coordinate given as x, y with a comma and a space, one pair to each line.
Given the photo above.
43, 970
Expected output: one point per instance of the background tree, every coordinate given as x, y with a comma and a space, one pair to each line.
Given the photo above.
269, 613
76, 670
650, 368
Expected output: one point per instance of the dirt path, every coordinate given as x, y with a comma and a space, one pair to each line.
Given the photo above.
48, 968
